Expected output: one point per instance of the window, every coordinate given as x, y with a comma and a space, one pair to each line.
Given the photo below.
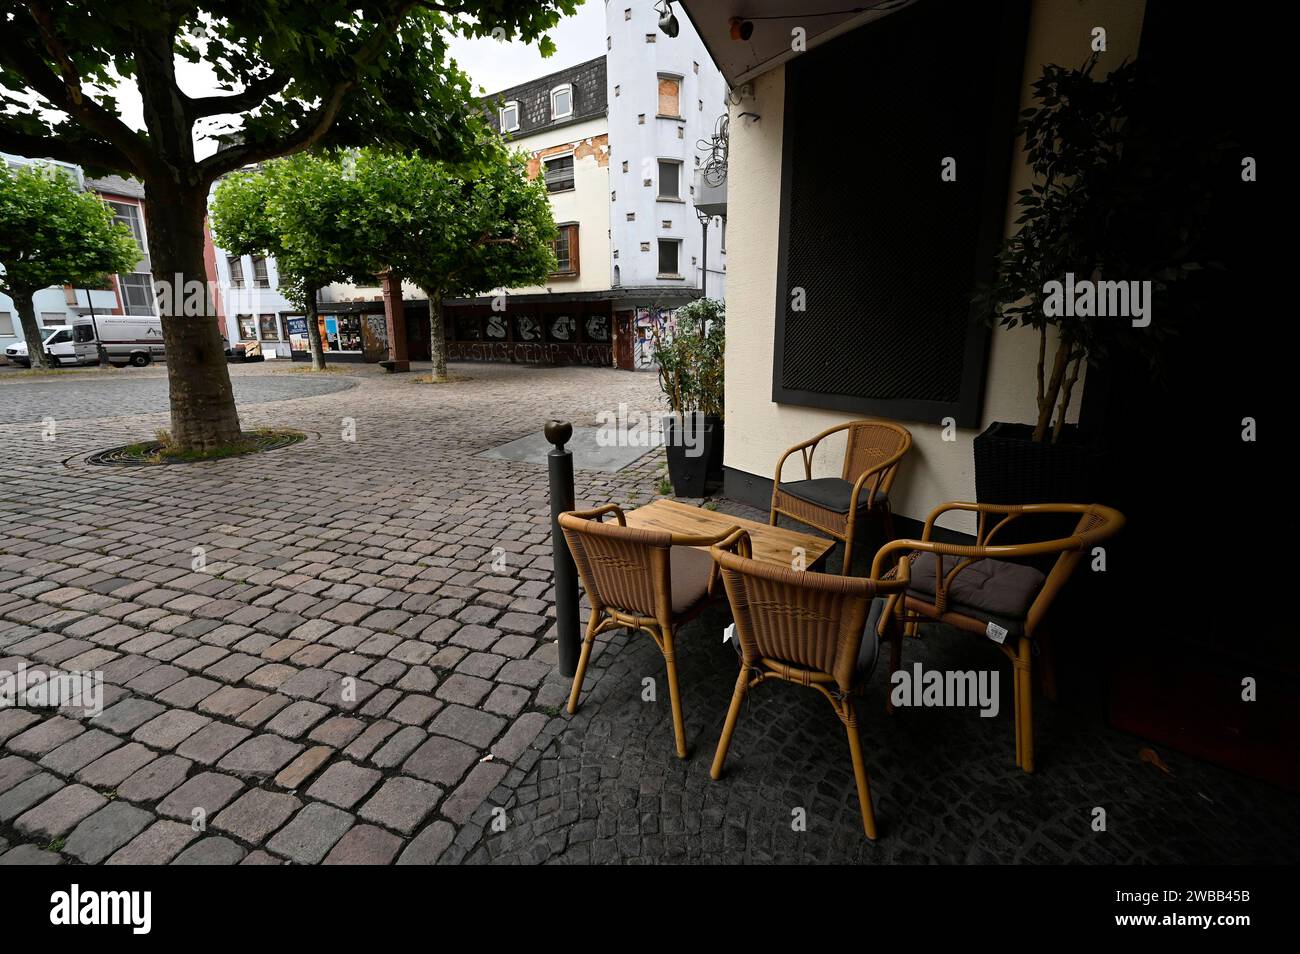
137, 293
559, 173
260, 277
61, 337
562, 102
670, 253
129, 215
269, 327
83, 334
670, 179
566, 250
236, 265
51, 318
247, 328
6, 324
670, 96
509, 117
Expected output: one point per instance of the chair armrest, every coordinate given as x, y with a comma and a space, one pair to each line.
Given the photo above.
736, 541
598, 513
703, 540
811, 446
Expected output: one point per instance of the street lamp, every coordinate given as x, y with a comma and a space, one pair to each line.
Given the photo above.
704, 218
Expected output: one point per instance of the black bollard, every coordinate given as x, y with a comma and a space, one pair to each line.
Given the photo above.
559, 463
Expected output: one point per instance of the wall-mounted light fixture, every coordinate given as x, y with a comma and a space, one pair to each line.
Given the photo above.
667, 19
741, 29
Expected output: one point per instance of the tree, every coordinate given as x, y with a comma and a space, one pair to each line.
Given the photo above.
297, 210
293, 74
53, 234
455, 230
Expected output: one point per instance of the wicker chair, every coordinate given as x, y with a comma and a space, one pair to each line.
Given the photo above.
639, 579
812, 629
980, 591
836, 505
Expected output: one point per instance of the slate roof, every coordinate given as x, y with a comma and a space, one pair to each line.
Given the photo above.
117, 185
534, 98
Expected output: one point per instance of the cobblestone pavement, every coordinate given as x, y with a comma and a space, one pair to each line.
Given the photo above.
91, 393
363, 672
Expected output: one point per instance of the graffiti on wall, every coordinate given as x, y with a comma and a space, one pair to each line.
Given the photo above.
532, 352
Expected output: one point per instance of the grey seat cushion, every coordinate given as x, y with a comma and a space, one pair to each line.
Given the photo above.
832, 493
867, 652
991, 590
690, 569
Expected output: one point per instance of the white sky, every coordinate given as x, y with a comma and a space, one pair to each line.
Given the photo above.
490, 64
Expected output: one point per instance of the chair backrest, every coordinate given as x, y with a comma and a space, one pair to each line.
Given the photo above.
811, 621
872, 444
623, 568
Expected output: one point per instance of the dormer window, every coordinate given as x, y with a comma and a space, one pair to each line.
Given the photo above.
510, 117
562, 102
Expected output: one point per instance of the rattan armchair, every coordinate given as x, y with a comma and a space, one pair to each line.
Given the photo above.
836, 505
811, 629
635, 578
979, 589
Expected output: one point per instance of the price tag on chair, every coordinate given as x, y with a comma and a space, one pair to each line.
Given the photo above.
996, 632
728, 633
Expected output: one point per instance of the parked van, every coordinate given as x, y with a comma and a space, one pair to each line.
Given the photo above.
58, 343
128, 339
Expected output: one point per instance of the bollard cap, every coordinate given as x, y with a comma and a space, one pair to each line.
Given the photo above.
558, 432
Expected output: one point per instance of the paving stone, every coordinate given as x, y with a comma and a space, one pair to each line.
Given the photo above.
441, 760
26, 855
82, 750
369, 740
14, 769
155, 780
156, 845
428, 846
303, 767
188, 692
59, 813
365, 845
337, 731
402, 804
461, 804
127, 715
475, 637
213, 850
311, 834
414, 710
296, 718
157, 679
170, 729
255, 814
508, 701
111, 770
14, 721
261, 756
467, 725
401, 744
519, 736
261, 857
27, 793
44, 737
523, 672
209, 791
106, 831
230, 701
263, 710
344, 784
212, 742
464, 690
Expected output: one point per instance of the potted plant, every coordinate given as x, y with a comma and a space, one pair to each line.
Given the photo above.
688, 349
1107, 235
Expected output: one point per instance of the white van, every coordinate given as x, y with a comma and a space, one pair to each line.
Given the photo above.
128, 339
58, 343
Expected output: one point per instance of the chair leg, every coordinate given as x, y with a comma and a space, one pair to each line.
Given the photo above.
895, 636
674, 697
859, 771
1015, 698
583, 657
1046, 666
1025, 728
729, 726
887, 519
847, 568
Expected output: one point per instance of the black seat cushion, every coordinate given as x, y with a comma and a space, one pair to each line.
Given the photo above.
832, 493
991, 590
867, 652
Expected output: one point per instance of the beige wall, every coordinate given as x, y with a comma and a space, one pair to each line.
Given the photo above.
758, 430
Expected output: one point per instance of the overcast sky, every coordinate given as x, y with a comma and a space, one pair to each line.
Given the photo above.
490, 64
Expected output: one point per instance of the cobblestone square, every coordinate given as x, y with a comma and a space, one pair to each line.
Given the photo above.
342, 652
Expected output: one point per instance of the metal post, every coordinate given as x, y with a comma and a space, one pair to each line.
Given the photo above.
704, 254
559, 463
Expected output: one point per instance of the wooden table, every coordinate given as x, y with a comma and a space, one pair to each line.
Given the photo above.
771, 544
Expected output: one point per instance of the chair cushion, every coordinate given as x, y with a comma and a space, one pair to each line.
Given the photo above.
989, 590
690, 569
867, 652
832, 493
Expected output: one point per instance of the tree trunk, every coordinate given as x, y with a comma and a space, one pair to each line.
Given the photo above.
1047, 403
313, 332
437, 335
202, 400
26, 309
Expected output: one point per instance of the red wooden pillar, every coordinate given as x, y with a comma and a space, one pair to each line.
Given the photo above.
395, 319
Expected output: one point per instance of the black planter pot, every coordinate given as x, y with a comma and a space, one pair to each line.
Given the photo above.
694, 454
1012, 468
